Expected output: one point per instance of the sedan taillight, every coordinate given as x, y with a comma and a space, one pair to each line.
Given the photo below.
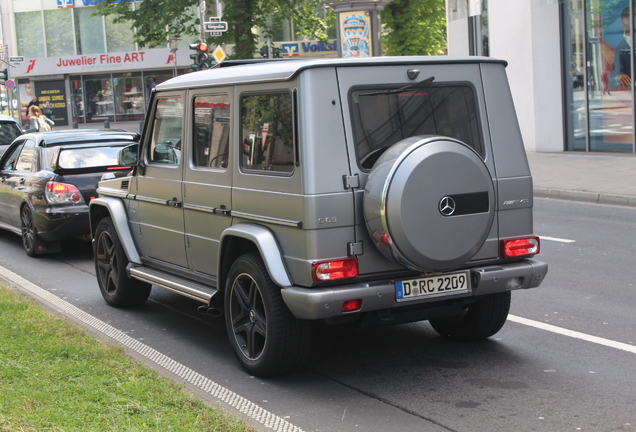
63, 193
518, 247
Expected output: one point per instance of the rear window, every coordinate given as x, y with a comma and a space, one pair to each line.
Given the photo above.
382, 117
91, 157
8, 132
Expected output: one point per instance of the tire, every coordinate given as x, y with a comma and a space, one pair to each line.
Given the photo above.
479, 321
267, 339
110, 266
30, 239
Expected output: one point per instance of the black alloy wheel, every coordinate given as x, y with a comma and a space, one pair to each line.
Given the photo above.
267, 339
110, 265
30, 239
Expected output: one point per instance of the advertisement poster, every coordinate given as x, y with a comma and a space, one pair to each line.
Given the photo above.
54, 92
26, 94
355, 28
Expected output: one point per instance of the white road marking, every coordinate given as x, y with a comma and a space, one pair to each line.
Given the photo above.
573, 334
556, 239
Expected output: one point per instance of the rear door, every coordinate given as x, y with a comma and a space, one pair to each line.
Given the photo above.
159, 196
7, 172
207, 176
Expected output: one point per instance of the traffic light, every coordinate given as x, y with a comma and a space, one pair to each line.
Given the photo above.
4, 76
201, 59
263, 52
275, 52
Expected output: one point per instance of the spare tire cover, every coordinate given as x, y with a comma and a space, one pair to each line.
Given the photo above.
429, 203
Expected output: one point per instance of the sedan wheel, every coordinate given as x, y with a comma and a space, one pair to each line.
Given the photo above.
267, 339
30, 239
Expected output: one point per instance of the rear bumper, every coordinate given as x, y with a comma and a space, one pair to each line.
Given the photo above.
61, 222
324, 303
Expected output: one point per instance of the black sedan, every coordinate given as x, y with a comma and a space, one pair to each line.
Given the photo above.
47, 180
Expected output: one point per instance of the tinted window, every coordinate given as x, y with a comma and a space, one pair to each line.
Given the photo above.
165, 147
381, 120
9, 162
8, 132
267, 132
211, 131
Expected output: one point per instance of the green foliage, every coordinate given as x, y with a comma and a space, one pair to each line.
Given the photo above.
151, 17
414, 27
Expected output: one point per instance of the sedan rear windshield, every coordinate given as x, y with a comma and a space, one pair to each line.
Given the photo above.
383, 116
84, 157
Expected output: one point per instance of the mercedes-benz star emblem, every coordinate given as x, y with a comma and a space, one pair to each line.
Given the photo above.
447, 206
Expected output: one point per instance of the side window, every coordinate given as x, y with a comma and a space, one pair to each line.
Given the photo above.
27, 155
9, 163
267, 132
211, 132
165, 147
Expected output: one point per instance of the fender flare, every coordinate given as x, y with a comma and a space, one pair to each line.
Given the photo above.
115, 207
267, 246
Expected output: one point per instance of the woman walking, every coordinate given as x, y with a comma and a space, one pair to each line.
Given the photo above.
38, 121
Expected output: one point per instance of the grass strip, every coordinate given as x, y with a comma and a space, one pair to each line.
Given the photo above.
54, 377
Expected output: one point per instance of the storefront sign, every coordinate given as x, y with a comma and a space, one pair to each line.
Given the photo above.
130, 60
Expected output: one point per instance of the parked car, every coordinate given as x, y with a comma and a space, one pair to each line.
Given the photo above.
47, 180
9, 130
351, 191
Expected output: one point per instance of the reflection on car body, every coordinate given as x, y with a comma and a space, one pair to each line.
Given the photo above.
47, 180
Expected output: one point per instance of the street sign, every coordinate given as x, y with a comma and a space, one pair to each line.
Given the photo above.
10, 84
215, 26
17, 59
218, 54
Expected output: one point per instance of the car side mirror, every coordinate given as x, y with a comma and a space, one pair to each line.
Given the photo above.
128, 156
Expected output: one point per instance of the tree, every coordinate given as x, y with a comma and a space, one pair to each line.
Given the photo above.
150, 18
414, 27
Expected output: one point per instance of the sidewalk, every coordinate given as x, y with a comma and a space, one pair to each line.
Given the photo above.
589, 177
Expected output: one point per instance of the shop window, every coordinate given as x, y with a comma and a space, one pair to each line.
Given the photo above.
30, 34
211, 132
89, 31
267, 133
129, 97
77, 98
99, 104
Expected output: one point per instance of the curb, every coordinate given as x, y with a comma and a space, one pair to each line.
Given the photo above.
589, 197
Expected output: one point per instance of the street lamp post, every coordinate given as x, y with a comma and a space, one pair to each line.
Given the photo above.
358, 27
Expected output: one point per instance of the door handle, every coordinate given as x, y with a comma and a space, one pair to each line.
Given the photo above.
174, 202
22, 180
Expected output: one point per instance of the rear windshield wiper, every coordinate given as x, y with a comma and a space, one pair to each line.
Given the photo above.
401, 89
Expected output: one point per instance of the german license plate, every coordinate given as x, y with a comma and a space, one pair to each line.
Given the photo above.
432, 286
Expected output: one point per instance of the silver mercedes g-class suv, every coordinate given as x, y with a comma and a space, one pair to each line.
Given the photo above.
353, 191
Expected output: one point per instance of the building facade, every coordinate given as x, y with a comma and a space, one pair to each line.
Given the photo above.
570, 64
88, 66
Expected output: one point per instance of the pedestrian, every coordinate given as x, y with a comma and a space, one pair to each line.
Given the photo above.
47, 109
38, 121
34, 101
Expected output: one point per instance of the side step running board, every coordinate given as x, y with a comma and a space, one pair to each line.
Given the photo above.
194, 290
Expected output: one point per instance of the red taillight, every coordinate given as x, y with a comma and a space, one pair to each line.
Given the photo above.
62, 193
118, 168
333, 270
517, 247
351, 305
